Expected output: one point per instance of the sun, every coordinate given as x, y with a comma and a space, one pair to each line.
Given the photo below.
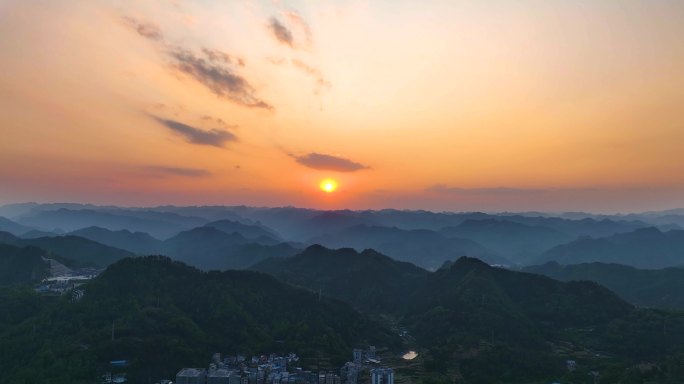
328, 185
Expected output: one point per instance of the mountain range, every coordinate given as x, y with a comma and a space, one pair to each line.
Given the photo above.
471, 322
643, 248
655, 288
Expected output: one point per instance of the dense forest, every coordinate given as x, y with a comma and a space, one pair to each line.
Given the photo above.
162, 315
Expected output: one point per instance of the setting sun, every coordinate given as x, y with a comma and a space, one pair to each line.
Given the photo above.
328, 185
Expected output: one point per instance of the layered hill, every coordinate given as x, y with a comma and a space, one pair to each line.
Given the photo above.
7, 225
516, 241
211, 248
137, 242
656, 288
250, 231
642, 248
425, 248
158, 224
75, 251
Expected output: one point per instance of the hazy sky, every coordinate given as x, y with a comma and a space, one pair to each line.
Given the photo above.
454, 105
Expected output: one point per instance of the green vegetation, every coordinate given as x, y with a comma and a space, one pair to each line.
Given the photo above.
162, 315
657, 288
22, 265
369, 280
478, 324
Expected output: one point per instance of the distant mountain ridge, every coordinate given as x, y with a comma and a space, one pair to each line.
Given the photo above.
211, 248
157, 224
428, 239
515, 241
643, 248
137, 242
425, 248
80, 252
7, 225
251, 231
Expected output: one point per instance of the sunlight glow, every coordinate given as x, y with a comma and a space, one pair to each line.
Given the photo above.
328, 185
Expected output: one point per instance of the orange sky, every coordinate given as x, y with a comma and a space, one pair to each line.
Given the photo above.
443, 105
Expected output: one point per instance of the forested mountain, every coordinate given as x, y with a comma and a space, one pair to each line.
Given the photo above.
369, 280
471, 298
22, 265
470, 322
161, 315
657, 288
494, 324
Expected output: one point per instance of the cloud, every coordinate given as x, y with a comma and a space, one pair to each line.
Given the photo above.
216, 120
213, 137
218, 78
495, 191
281, 32
329, 163
144, 29
214, 69
176, 171
321, 82
297, 20
215, 55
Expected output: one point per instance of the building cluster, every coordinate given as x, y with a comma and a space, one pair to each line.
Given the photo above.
63, 284
274, 369
361, 359
57, 287
271, 369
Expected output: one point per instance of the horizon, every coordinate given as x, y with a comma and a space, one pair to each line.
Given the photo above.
443, 106
521, 212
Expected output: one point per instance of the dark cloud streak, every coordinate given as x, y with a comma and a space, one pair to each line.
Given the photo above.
146, 30
321, 82
213, 137
281, 32
296, 19
494, 191
177, 171
329, 163
220, 79
214, 69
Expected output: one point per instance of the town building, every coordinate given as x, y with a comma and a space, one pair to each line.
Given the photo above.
382, 376
191, 376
